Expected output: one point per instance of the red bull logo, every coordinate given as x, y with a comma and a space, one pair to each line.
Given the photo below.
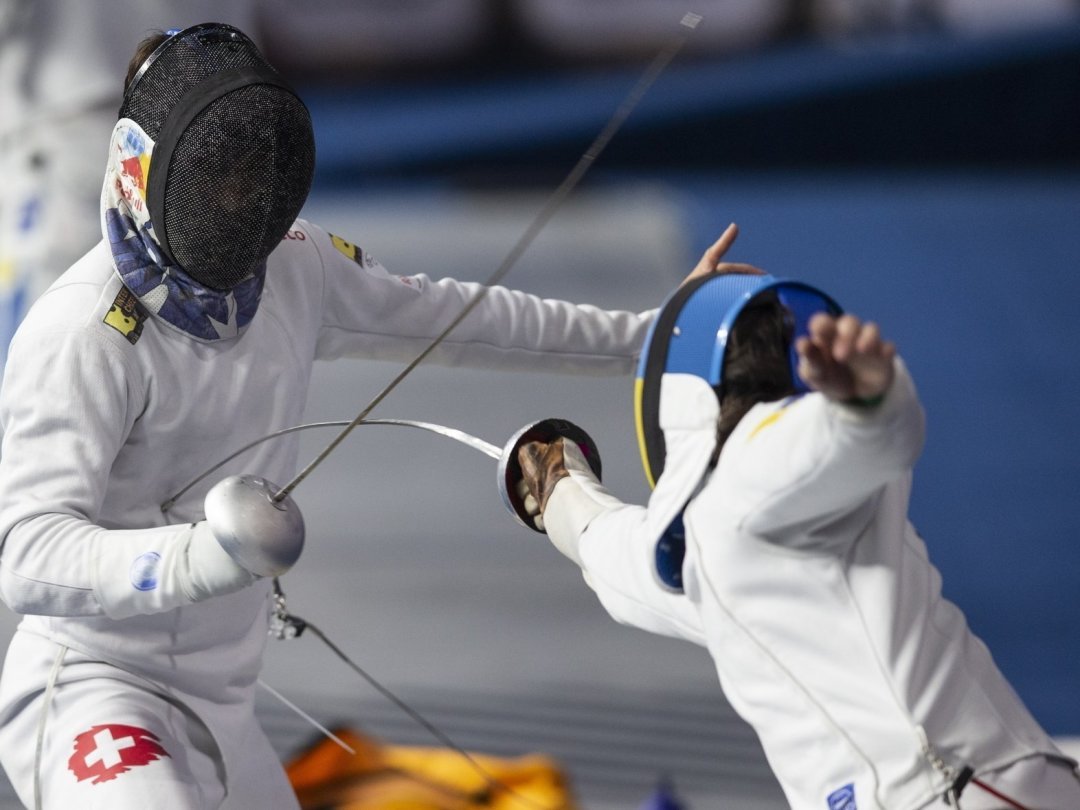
134, 167
133, 152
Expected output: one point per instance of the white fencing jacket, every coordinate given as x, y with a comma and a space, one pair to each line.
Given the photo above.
813, 593
107, 412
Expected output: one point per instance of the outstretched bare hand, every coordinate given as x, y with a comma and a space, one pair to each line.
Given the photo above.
710, 260
845, 358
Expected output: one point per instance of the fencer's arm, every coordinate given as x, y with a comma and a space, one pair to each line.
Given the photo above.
59, 565
67, 407
815, 457
369, 312
613, 543
861, 428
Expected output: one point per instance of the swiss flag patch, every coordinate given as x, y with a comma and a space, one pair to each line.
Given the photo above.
104, 752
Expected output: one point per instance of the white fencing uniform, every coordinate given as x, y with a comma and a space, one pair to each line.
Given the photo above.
107, 412
816, 600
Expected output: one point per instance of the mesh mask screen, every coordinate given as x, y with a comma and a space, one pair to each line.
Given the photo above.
239, 175
233, 166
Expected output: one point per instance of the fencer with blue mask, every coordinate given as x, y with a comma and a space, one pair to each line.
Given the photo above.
780, 435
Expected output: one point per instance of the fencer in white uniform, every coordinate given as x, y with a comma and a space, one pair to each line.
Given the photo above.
781, 437
190, 330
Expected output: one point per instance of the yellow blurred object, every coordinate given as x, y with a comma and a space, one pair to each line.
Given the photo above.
388, 777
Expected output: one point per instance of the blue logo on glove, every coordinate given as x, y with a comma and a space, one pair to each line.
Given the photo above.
144, 571
843, 798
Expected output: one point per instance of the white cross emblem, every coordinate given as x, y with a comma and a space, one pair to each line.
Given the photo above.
107, 750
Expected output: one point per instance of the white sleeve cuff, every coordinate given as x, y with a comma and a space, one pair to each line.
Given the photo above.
134, 572
154, 570
576, 500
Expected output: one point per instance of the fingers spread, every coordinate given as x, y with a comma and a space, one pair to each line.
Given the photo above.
845, 358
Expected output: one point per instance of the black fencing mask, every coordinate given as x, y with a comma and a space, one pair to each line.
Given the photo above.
234, 152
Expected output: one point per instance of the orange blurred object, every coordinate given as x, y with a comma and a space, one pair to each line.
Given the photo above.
389, 777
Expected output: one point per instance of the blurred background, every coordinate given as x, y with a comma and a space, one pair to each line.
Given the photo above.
918, 159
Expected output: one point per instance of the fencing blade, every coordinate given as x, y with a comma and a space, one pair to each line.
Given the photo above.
687, 25
461, 436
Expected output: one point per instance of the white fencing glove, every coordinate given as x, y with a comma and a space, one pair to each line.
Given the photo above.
210, 570
246, 535
144, 571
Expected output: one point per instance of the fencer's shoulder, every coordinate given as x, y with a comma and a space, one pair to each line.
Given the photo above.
87, 300
76, 289
307, 241
307, 246
299, 240
775, 416
93, 267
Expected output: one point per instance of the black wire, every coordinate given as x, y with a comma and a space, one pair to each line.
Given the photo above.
492, 781
657, 66
554, 202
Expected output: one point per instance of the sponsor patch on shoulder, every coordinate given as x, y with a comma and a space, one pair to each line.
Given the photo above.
351, 251
348, 249
843, 798
126, 315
